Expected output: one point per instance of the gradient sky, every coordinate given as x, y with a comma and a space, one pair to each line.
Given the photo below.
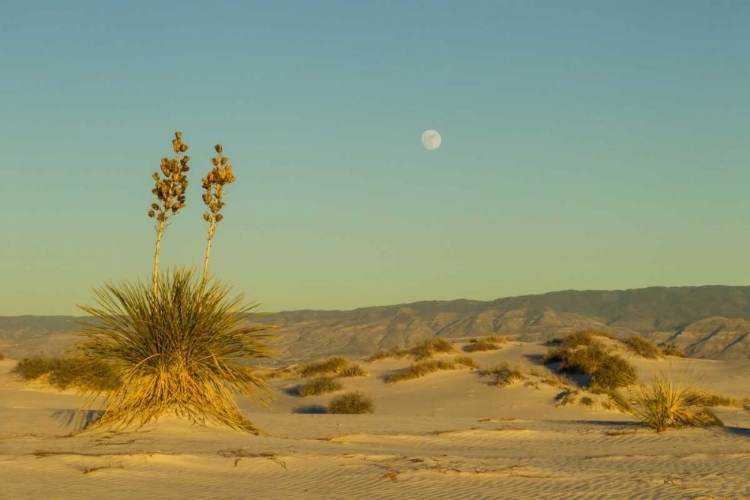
586, 145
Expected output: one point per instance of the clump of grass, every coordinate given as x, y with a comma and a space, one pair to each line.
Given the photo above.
551, 378
467, 361
672, 350
502, 374
612, 374
330, 366
418, 370
73, 372
617, 401
394, 353
642, 347
585, 360
318, 386
351, 403
484, 344
284, 372
709, 399
668, 404
179, 344
566, 397
430, 347
352, 370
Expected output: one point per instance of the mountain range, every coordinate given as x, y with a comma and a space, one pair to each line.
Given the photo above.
710, 322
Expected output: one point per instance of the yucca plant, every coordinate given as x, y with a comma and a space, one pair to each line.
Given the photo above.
179, 344
672, 404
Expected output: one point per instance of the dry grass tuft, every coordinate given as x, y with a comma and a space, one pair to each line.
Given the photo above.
418, 370
352, 370
485, 344
394, 353
711, 400
330, 366
612, 374
467, 361
642, 347
606, 371
551, 378
430, 347
503, 374
351, 403
668, 404
73, 372
318, 386
672, 350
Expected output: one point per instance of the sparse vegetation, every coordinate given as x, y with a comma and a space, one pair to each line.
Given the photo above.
351, 403
330, 366
352, 370
612, 374
672, 350
467, 361
642, 347
551, 378
491, 343
318, 386
502, 374
72, 372
394, 353
587, 401
709, 399
179, 344
566, 397
667, 404
418, 370
419, 352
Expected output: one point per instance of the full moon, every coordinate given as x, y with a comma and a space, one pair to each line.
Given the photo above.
431, 139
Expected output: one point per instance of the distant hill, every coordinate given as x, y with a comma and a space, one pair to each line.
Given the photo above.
707, 321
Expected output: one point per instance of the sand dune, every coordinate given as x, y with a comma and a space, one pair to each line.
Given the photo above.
448, 435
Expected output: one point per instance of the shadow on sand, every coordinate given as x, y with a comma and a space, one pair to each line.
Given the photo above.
78, 419
311, 409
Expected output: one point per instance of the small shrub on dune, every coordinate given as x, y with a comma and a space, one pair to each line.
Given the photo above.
71, 372
430, 347
352, 370
642, 347
612, 374
667, 404
394, 353
551, 378
709, 399
585, 360
672, 350
578, 339
179, 344
33, 368
318, 386
502, 374
483, 344
285, 372
418, 370
330, 366
467, 361
351, 403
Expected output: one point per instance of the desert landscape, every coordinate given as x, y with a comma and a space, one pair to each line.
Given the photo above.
502, 425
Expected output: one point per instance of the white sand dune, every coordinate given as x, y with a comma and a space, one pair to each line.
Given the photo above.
448, 435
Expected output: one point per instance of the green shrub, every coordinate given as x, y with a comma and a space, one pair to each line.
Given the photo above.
318, 386
642, 347
351, 403
612, 374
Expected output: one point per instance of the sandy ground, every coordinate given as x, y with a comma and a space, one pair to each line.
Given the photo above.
448, 435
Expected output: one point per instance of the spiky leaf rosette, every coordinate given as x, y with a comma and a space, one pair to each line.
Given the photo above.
177, 351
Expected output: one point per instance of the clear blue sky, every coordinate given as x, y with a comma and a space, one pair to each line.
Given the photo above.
586, 145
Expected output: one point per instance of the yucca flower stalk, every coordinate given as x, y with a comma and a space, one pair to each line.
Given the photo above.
214, 183
170, 193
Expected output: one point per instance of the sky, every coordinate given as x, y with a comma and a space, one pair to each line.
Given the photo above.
586, 145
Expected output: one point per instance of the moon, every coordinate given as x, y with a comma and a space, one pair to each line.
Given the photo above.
431, 140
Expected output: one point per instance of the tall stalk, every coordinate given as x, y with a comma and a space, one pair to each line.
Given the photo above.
214, 183
170, 194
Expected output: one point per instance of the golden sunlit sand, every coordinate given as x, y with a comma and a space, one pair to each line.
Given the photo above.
450, 434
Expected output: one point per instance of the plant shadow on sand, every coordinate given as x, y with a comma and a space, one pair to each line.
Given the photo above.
78, 419
737, 431
311, 409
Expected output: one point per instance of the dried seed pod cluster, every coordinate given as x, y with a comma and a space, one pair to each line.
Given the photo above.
170, 190
214, 183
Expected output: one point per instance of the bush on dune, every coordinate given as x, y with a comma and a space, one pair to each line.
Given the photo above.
351, 403
330, 366
642, 347
502, 374
318, 386
418, 370
73, 372
492, 343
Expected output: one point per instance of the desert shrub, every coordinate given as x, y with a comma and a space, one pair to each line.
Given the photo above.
178, 344
330, 366
72, 372
672, 350
709, 399
430, 347
554, 355
642, 347
587, 401
584, 360
613, 373
578, 339
483, 344
352, 370
551, 378
466, 361
668, 404
395, 353
351, 403
421, 369
284, 372
318, 386
502, 374
566, 397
